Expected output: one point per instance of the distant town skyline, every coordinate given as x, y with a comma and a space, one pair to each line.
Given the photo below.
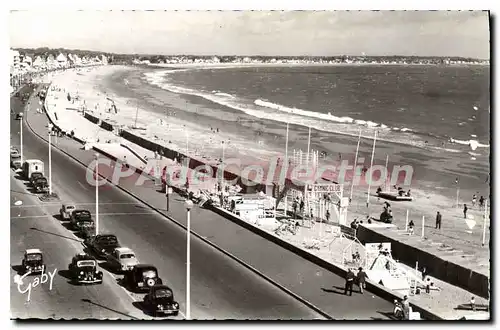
257, 33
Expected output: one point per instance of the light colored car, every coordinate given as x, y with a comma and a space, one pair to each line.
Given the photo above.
65, 211
122, 259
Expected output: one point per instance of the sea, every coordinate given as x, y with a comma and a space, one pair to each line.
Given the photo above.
447, 107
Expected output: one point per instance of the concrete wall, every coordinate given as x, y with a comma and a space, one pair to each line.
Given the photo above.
442, 269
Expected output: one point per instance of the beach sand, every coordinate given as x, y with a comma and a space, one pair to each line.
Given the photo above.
185, 126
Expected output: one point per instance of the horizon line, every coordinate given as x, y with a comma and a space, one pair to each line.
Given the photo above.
247, 55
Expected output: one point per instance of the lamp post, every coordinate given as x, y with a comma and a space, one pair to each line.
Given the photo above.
21, 132
50, 158
168, 191
96, 157
189, 206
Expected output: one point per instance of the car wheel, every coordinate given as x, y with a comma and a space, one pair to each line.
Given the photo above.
175, 313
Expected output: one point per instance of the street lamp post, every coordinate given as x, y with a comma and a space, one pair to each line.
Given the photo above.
96, 157
50, 159
189, 206
21, 132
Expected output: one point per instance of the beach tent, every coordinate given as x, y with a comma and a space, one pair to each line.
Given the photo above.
61, 59
38, 62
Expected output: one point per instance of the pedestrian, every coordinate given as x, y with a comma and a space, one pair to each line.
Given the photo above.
481, 201
411, 226
361, 279
473, 304
465, 211
311, 213
438, 220
327, 215
349, 281
294, 206
474, 198
406, 307
424, 273
302, 206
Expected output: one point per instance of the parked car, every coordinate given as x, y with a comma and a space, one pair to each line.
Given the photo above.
78, 215
83, 270
160, 301
14, 153
102, 245
33, 261
41, 185
65, 211
122, 259
141, 278
34, 176
15, 160
86, 228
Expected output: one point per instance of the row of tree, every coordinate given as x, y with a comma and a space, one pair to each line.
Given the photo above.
128, 58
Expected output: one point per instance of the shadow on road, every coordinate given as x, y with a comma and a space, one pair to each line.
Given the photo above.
388, 315
20, 192
18, 269
109, 309
48, 232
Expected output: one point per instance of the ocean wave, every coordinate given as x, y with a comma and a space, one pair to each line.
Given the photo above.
320, 121
474, 144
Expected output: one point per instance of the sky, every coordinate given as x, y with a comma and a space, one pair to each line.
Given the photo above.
286, 33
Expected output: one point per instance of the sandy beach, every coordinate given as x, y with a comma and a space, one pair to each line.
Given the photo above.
178, 121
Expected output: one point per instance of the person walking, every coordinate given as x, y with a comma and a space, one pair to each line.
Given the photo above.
411, 226
361, 279
349, 281
302, 206
406, 307
327, 216
474, 199
438, 220
481, 201
465, 211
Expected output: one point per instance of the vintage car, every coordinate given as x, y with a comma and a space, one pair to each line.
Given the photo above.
41, 185
102, 245
15, 158
141, 278
33, 261
65, 211
160, 301
79, 215
14, 153
34, 176
85, 228
83, 270
122, 259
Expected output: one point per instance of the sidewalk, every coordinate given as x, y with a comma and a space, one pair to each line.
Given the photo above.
442, 303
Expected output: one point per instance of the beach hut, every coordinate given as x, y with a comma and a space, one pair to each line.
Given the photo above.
104, 59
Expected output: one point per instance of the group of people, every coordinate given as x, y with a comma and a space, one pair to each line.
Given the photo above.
360, 277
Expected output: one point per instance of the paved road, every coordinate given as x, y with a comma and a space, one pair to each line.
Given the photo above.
220, 287
32, 226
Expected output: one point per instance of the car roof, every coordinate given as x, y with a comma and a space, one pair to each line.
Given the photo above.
123, 250
161, 286
83, 256
143, 266
33, 251
29, 161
